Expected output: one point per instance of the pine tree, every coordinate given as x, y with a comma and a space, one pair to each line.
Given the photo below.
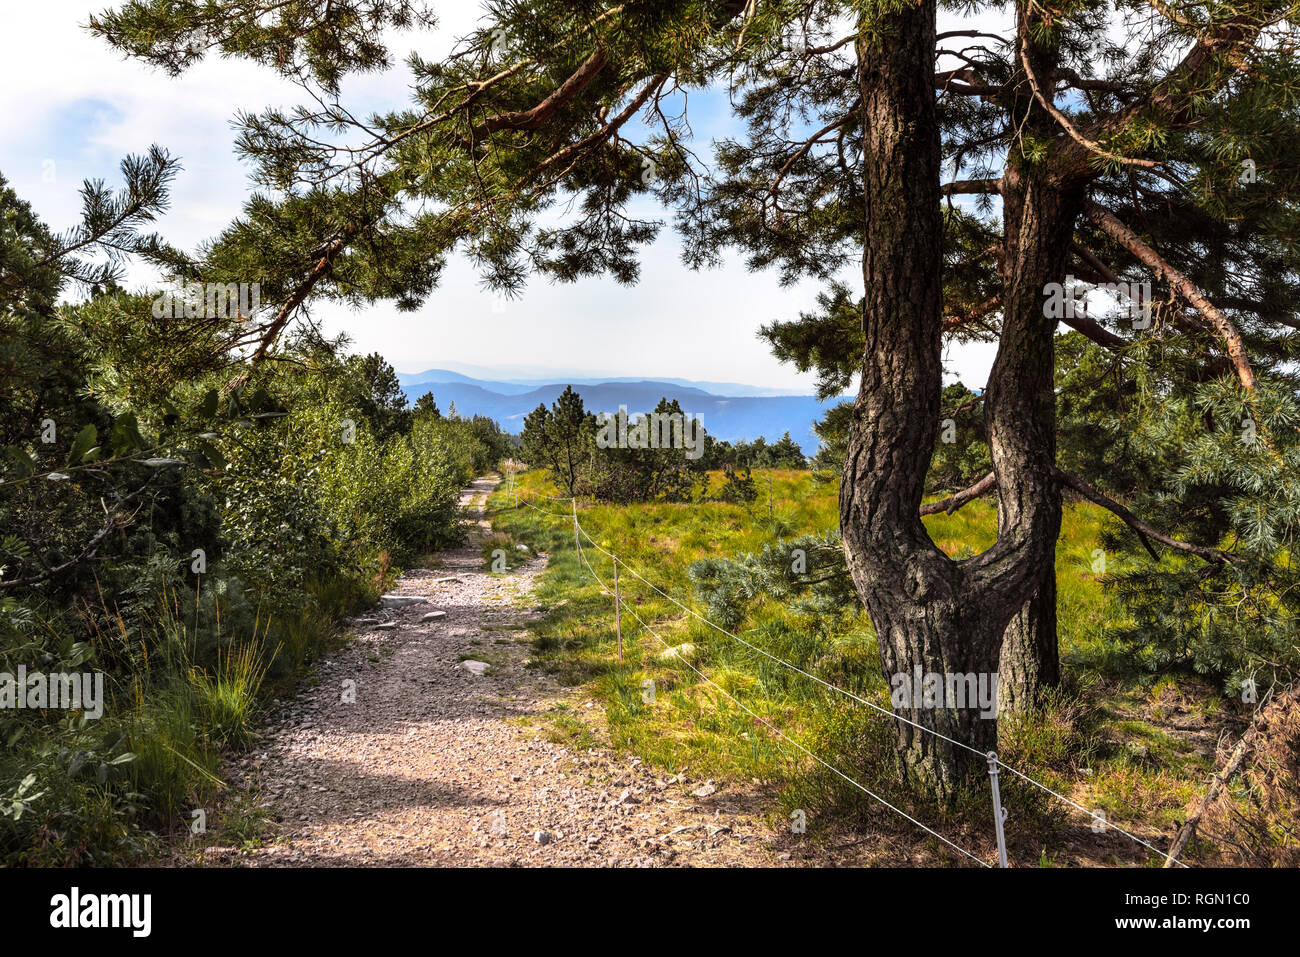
68, 476
374, 391
426, 405
1098, 161
560, 438
1059, 191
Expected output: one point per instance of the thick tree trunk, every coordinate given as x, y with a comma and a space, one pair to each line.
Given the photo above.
933, 615
912, 591
1038, 217
1030, 662
1038, 220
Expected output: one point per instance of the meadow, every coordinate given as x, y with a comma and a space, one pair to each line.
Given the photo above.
1116, 737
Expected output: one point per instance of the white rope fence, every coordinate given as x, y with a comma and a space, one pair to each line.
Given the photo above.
994, 763
783, 735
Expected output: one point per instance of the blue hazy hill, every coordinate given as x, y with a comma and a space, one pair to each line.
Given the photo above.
730, 417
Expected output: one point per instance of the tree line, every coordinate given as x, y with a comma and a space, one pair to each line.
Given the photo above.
656, 455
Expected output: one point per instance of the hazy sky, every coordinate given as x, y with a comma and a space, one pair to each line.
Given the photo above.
73, 107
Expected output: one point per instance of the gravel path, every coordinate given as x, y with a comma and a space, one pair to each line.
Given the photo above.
436, 765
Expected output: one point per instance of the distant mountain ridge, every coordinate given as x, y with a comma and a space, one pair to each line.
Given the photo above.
729, 417
513, 385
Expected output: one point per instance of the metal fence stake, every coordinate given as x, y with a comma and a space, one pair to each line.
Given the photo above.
999, 815
618, 614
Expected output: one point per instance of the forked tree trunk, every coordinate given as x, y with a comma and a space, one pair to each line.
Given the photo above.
933, 615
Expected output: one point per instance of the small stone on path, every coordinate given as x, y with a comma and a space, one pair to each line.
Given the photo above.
401, 601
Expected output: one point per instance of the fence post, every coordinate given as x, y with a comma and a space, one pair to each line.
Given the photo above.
618, 613
577, 546
999, 815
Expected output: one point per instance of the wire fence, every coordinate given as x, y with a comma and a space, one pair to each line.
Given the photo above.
995, 765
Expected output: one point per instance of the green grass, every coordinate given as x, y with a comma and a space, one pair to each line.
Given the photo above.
227, 698
244, 822
689, 722
106, 789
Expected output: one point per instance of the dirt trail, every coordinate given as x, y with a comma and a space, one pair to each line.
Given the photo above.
430, 765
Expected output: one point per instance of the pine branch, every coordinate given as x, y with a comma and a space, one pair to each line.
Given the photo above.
1143, 530
1173, 97
1222, 325
537, 116
304, 288
1061, 118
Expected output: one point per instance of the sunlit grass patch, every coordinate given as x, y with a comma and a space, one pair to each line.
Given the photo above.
732, 712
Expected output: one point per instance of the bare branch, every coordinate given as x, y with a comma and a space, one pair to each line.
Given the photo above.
965, 186
115, 520
954, 502
1144, 531
1222, 325
1095, 331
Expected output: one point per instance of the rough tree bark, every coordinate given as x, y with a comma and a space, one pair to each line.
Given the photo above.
934, 615
1030, 662
1038, 215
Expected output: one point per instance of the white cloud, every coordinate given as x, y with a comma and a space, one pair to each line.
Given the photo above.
71, 99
